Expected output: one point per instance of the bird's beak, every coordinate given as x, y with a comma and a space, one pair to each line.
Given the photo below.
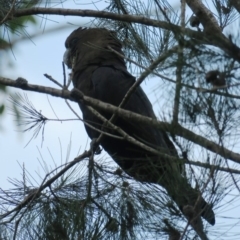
67, 59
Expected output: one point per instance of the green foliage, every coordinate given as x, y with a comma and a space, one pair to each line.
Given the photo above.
14, 26
17, 24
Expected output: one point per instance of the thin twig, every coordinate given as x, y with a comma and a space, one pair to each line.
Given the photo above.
125, 136
9, 14
53, 80
179, 66
200, 232
148, 69
178, 130
64, 75
91, 126
221, 42
44, 185
151, 68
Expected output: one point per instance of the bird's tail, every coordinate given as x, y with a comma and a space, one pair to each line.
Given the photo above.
194, 198
186, 196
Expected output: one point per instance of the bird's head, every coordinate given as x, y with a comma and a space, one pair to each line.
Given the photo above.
90, 46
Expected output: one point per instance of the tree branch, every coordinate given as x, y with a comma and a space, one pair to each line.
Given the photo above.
205, 16
176, 129
222, 42
236, 4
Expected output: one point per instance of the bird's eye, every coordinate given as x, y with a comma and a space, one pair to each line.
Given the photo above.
72, 43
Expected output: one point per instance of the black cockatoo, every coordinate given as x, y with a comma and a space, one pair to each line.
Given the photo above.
100, 73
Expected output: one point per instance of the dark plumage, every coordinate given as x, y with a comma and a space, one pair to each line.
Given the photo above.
101, 74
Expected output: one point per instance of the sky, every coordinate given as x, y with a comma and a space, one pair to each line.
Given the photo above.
31, 59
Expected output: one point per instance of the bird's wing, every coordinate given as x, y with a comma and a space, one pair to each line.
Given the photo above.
110, 85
